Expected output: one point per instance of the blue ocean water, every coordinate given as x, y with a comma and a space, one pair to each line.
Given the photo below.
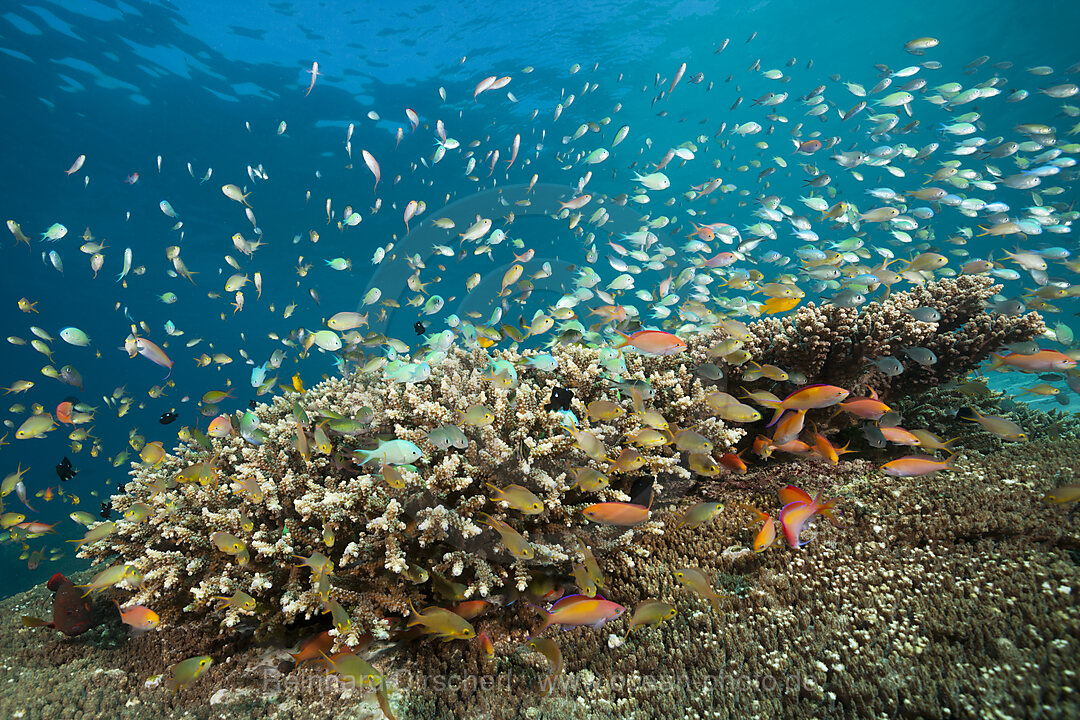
204, 85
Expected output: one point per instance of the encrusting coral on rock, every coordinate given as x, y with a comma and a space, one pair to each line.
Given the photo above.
940, 595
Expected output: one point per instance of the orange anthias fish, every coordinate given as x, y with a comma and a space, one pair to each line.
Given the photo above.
1042, 361
702, 231
810, 397
577, 610
900, 436
766, 536
617, 513
139, 617
470, 609
799, 508
789, 427
221, 426
653, 342
486, 645
610, 313
826, 450
722, 259
733, 462
867, 408
916, 465
764, 447
313, 648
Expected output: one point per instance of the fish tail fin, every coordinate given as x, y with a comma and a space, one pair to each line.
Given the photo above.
997, 360
625, 337
778, 412
31, 621
547, 619
759, 516
384, 701
414, 616
950, 462
827, 510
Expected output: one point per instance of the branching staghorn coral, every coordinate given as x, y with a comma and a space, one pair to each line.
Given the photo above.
296, 523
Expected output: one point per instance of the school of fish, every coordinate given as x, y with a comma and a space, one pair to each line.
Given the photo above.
904, 169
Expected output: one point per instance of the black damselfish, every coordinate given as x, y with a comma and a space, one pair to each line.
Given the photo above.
65, 470
560, 399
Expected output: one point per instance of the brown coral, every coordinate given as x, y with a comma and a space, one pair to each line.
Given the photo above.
834, 345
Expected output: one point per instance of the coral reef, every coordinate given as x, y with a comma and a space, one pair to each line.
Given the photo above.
946, 596
834, 345
284, 502
936, 408
367, 497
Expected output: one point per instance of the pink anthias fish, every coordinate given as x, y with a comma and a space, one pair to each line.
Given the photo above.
149, 350
1041, 361
799, 509
653, 342
578, 610
917, 465
867, 408
719, 260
